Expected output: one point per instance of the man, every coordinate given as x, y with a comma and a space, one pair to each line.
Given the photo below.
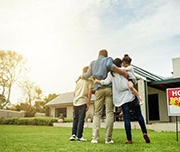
99, 69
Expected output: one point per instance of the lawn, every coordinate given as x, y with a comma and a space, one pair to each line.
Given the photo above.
56, 139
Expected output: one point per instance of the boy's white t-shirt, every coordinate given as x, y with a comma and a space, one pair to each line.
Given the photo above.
81, 92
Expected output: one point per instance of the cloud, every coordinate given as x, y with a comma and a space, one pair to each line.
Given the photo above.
60, 37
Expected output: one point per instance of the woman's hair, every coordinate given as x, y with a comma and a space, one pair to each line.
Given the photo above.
118, 63
127, 59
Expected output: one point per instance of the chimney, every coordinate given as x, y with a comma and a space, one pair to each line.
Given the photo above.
176, 67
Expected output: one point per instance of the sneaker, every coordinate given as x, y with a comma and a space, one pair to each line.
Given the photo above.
109, 142
72, 138
128, 142
145, 136
94, 141
81, 139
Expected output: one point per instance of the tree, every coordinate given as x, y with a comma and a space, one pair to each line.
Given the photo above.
12, 66
32, 96
46, 100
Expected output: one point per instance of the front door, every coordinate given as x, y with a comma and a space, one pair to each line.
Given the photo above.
153, 107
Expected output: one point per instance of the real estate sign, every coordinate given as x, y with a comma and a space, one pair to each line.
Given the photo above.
173, 101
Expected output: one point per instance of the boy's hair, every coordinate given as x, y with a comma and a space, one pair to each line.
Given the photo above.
126, 59
118, 63
103, 53
85, 69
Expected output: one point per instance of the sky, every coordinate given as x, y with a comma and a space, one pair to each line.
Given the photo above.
58, 38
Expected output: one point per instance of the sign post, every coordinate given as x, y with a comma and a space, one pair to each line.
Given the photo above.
173, 104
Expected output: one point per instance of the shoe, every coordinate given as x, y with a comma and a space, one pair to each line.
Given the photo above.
128, 142
109, 142
145, 136
94, 141
72, 138
81, 139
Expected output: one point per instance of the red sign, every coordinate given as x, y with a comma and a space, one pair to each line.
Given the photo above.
173, 101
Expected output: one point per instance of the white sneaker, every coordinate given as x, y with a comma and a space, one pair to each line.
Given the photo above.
94, 141
73, 137
82, 139
109, 142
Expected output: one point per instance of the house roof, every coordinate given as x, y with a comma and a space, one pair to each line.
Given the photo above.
65, 98
156, 81
164, 84
147, 75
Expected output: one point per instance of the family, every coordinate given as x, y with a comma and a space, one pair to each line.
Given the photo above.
112, 82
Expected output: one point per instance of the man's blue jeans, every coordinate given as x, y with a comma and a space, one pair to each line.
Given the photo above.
78, 120
134, 105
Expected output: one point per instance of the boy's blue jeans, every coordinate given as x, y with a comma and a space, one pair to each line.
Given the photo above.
78, 120
134, 105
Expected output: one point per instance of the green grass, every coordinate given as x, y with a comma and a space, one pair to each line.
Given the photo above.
56, 139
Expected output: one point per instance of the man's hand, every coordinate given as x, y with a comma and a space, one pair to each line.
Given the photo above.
88, 105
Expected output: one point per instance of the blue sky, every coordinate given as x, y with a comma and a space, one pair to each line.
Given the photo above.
59, 37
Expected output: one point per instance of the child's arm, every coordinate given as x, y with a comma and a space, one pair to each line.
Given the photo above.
89, 94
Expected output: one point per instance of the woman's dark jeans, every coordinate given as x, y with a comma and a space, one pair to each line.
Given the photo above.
134, 105
78, 120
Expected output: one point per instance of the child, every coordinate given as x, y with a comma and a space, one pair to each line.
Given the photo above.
81, 103
126, 61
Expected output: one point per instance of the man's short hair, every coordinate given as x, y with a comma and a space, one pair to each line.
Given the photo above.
103, 53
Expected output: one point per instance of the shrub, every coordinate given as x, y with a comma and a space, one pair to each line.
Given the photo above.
68, 120
39, 121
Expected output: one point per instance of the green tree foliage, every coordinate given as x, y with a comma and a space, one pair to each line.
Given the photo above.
46, 100
32, 101
12, 66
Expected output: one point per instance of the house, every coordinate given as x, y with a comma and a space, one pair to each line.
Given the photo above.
63, 105
151, 87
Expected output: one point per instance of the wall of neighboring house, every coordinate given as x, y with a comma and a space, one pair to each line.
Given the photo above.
163, 112
11, 114
52, 111
69, 110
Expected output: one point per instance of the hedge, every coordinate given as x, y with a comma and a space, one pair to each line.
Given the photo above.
38, 121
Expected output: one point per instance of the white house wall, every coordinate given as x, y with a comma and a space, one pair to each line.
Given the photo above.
141, 90
163, 112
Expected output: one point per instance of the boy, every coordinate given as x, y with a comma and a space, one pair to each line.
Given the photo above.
81, 103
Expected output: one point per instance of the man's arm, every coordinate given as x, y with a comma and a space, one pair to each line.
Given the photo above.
89, 99
114, 68
88, 73
120, 71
